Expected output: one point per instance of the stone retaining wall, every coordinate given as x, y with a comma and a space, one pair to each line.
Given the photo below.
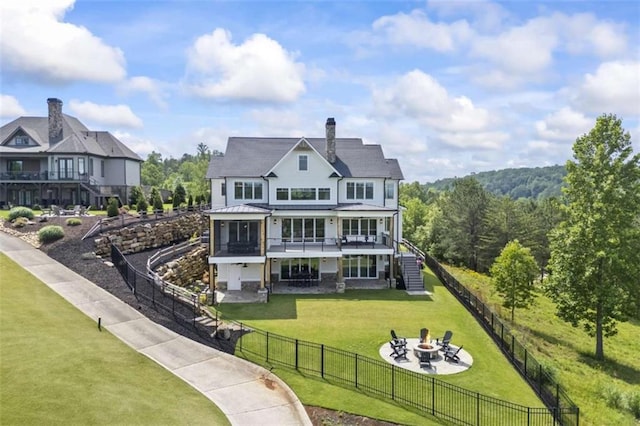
187, 269
145, 236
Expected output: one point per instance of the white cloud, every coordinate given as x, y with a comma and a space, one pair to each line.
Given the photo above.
10, 107
259, 69
112, 115
564, 125
416, 29
475, 140
485, 15
525, 49
153, 89
140, 146
35, 41
421, 97
614, 88
583, 33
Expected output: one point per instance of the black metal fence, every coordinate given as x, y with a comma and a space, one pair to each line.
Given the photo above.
378, 378
184, 307
547, 388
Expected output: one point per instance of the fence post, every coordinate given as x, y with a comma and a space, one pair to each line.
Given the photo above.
501, 335
241, 330
322, 361
393, 382
356, 372
525, 362
477, 408
433, 396
296, 354
513, 347
539, 379
267, 344
557, 410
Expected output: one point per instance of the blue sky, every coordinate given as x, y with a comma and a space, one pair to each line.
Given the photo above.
447, 87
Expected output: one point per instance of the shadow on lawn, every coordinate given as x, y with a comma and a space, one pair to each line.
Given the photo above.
283, 306
611, 367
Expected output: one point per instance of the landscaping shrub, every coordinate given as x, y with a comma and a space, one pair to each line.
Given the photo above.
36, 207
112, 208
20, 212
612, 395
20, 222
50, 233
73, 221
633, 403
142, 205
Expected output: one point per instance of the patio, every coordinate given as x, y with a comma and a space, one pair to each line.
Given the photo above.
438, 364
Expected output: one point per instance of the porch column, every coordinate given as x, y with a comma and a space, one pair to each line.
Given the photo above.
339, 276
392, 257
212, 277
263, 248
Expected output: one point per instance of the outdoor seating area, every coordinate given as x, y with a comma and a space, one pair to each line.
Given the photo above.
77, 210
426, 355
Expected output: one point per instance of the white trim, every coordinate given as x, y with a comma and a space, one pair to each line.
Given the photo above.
303, 139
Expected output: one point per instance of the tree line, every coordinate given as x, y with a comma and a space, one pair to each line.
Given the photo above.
584, 244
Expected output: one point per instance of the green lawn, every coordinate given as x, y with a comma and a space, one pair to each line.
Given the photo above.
359, 321
569, 351
57, 368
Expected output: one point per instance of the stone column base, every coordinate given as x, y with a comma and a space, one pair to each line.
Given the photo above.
340, 287
263, 295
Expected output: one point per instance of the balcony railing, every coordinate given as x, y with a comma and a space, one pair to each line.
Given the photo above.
40, 176
238, 248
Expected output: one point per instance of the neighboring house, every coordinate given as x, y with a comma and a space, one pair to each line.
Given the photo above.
57, 160
318, 209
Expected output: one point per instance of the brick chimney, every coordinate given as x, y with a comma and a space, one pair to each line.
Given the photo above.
331, 139
55, 120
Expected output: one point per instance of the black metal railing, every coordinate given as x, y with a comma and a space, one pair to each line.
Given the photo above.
378, 378
545, 385
69, 176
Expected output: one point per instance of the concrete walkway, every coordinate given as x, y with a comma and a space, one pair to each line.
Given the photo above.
246, 393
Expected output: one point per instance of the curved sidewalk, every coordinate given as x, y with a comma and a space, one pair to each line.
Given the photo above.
246, 393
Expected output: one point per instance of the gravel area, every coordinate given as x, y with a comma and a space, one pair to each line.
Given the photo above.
77, 255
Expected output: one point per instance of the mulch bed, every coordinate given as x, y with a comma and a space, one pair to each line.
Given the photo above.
75, 254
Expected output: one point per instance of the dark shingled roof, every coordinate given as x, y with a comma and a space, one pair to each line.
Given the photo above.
253, 157
76, 138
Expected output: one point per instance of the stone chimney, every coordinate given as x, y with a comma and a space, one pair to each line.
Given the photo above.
55, 120
331, 140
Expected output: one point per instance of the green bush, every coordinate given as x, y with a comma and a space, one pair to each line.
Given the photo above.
36, 207
50, 233
20, 222
612, 395
20, 212
633, 403
73, 221
112, 208
142, 205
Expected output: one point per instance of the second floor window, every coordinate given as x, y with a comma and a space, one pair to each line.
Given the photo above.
81, 168
223, 189
90, 166
303, 162
101, 168
65, 168
248, 190
389, 190
359, 190
14, 165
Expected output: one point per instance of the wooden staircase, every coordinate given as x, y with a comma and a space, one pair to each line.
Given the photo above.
411, 272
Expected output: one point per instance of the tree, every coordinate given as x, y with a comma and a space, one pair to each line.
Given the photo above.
135, 195
155, 199
463, 216
595, 260
179, 195
513, 273
113, 208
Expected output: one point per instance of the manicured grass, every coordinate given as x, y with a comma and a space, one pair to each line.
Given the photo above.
569, 352
360, 320
57, 368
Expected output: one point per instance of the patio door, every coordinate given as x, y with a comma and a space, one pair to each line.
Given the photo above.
234, 281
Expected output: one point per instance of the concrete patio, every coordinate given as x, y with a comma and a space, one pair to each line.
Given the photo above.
438, 364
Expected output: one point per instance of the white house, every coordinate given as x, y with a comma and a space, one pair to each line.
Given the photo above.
58, 160
302, 211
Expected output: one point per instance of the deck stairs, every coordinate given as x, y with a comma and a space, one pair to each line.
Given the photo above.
411, 273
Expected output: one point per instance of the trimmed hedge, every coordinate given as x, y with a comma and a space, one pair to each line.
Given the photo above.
50, 233
20, 212
73, 221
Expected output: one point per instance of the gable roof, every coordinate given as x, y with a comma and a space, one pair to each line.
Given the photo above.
254, 157
77, 139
